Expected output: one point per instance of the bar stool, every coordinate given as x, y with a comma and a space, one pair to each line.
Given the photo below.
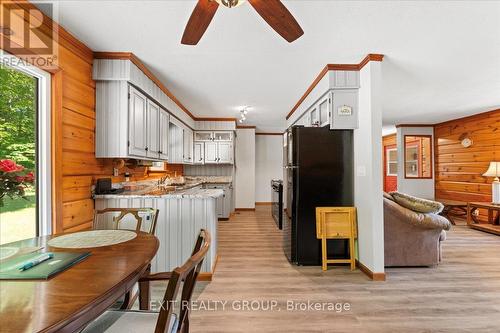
336, 223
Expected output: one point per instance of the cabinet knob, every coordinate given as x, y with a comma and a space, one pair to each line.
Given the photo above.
146, 149
160, 152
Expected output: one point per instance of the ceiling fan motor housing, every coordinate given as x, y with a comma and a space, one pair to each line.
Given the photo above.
230, 3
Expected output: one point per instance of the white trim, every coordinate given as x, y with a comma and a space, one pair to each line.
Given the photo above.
389, 161
44, 170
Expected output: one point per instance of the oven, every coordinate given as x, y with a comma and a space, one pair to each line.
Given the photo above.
277, 202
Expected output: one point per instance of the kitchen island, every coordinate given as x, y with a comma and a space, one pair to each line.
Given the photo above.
182, 213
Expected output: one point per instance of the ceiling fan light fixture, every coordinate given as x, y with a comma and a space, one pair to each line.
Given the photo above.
230, 3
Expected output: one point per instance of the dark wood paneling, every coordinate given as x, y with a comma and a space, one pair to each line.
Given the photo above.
459, 170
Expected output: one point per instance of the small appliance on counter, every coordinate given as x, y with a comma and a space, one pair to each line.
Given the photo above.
103, 186
277, 202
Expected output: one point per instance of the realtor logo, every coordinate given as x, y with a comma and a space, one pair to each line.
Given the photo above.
28, 32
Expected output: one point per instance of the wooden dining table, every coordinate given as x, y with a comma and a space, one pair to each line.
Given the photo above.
71, 299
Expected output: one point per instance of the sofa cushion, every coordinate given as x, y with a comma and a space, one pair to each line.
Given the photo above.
417, 204
388, 196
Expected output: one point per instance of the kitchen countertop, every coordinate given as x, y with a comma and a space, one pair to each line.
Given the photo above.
190, 190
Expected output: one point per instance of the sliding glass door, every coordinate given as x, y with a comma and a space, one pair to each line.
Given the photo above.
19, 155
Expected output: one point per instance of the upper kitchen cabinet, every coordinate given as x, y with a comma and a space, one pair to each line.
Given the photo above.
164, 134
213, 147
332, 102
138, 133
199, 153
133, 116
187, 135
176, 142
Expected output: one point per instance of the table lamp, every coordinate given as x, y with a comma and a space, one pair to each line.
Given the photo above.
494, 171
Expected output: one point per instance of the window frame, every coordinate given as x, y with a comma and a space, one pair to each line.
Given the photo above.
388, 161
43, 139
431, 153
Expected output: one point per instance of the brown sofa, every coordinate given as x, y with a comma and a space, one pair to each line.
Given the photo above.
412, 238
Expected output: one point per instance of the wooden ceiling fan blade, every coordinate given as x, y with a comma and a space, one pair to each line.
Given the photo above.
279, 18
199, 21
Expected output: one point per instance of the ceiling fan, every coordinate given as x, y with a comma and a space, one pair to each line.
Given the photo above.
272, 11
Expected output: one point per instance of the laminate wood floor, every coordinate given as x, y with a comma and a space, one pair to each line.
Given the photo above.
460, 295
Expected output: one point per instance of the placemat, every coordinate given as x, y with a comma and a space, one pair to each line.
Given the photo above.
94, 238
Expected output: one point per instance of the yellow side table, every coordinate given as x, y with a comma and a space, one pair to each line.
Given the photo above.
336, 223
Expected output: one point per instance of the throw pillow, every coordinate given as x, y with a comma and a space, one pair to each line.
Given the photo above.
417, 204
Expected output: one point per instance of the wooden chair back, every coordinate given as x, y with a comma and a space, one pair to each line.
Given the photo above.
188, 274
114, 218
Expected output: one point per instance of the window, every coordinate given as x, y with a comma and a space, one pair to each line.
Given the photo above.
24, 150
418, 156
392, 161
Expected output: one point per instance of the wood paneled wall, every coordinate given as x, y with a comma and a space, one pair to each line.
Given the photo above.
459, 170
75, 167
73, 125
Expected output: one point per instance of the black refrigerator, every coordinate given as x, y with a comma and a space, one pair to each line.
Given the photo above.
319, 173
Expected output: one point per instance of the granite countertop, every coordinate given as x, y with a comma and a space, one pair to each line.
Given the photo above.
191, 189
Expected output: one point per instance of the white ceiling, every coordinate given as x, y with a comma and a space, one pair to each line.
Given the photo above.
442, 57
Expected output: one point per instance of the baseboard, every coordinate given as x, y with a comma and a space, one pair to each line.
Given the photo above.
245, 209
263, 203
369, 273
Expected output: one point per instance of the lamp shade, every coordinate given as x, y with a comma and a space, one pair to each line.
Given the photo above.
493, 170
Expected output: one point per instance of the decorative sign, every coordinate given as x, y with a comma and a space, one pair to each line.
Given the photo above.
344, 110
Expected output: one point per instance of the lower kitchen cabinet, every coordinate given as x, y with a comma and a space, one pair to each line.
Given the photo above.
224, 203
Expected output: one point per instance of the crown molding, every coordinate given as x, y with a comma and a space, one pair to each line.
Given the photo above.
335, 67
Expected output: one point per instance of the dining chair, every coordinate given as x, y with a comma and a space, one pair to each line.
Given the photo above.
142, 219
165, 321
138, 219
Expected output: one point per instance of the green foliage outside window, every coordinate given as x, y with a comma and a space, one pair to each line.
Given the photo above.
17, 117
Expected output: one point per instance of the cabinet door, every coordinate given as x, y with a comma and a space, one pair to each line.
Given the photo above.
223, 136
228, 193
324, 110
188, 145
211, 153
164, 120
225, 152
137, 123
314, 114
307, 119
176, 144
199, 153
203, 136
153, 130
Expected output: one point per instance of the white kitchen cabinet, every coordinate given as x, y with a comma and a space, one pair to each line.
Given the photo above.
211, 153
314, 114
219, 152
225, 152
137, 140
176, 143
187, 145
324, 108
164, 136
199, 153
223, 136
203, 136
223, 202
153, 130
